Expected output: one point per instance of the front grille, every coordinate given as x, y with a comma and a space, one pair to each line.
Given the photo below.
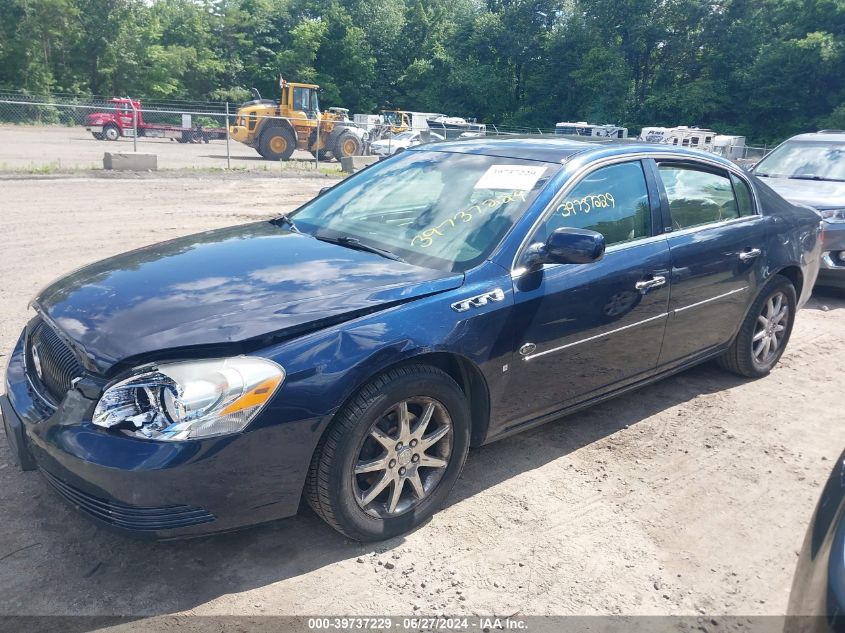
59, 365
136, 518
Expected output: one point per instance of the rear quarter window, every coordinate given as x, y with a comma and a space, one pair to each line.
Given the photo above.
744, 199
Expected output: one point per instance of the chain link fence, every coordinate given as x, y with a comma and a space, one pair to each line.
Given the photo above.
110, 119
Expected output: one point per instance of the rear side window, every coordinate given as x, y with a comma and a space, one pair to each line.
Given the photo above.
744, 201
697, 197
612, 200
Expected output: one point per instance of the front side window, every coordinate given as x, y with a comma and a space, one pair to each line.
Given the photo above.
301, 99
697, 197
612, 200
805, 160
443, 210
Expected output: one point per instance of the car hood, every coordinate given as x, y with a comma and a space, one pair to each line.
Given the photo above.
224, 286
819, 194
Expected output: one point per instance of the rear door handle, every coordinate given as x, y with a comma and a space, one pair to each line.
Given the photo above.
647, 284
749, 254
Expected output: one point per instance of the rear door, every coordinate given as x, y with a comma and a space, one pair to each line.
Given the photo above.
717, 243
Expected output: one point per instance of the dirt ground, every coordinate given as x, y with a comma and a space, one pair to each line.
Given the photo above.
57, 148
689, 496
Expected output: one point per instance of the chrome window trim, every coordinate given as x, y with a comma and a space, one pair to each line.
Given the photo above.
621, 246
578, 175
632, 325
710, 225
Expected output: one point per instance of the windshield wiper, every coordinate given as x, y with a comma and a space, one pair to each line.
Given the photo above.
354, 242
286, 219
816, 178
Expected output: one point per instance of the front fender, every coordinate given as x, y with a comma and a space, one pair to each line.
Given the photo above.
324, 369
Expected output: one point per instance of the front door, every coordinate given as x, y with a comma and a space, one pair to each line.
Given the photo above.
582, 329
126, 116
717, 245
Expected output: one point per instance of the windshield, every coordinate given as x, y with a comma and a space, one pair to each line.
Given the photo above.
394, 118
815, 160
403, 136
436, 209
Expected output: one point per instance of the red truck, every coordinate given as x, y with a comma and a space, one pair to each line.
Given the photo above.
120, 121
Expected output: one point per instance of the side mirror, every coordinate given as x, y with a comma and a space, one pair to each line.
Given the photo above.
567, 246
323, 190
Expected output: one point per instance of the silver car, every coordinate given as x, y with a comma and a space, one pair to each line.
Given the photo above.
809, 169
389, 146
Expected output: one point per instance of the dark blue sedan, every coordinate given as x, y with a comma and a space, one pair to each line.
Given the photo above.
352, 351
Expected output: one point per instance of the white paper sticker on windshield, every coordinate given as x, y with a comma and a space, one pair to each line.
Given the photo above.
519, 177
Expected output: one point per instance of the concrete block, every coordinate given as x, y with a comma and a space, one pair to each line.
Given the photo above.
130, 162
351, 164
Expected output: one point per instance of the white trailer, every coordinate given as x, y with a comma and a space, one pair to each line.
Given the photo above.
731, 147
582, 128
680, 136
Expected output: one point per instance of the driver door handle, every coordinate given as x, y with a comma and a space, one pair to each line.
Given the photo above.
647, 284
749, 254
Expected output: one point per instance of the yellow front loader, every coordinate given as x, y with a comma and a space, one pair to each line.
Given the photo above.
276, 129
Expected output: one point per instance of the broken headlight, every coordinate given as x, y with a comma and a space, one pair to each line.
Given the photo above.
833, 215
188, 400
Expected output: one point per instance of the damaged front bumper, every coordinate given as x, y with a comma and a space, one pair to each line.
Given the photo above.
150, 488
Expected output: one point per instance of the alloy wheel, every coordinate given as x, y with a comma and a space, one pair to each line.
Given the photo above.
403, 457
770, 328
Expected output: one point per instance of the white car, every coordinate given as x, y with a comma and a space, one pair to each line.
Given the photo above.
404, 140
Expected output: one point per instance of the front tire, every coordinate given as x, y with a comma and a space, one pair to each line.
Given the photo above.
277, 143
391, 455
765, 332
97, 135
111, 133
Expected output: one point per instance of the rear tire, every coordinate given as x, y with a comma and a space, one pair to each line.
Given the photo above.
406, 430
277, 143
347, 144
97, 135
765, 332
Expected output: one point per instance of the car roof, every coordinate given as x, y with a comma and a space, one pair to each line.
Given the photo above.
560, 149
823, 135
